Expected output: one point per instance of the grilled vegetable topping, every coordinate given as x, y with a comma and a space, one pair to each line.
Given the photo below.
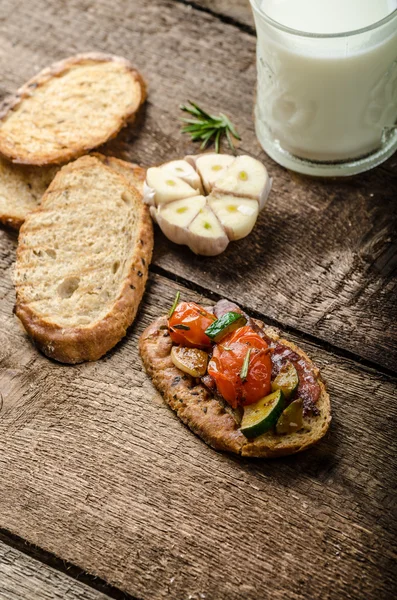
287, 380
190, 360
227, 362
188, 323
291, 418
263, 415
224, 325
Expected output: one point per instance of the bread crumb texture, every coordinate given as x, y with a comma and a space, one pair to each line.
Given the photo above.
69, 108
82, 262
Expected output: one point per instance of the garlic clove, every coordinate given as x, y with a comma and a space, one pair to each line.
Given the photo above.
206, 235
166, 187
185, 171
190, 360
211, 167
174, 217
237, 215
245, 177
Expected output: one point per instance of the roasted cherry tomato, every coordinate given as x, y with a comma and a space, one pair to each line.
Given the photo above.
227, 361
188, 324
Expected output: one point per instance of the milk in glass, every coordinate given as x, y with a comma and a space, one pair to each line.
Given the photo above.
328, 90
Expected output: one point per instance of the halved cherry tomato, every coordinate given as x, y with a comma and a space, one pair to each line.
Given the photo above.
227, 361
188, 324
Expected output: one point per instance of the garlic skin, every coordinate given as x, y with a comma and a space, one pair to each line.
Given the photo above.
265, 192
237, 189
148, 194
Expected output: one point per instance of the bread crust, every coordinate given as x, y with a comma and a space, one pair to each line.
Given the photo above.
11, 221
88, 343
11, 103
135, 173
206, 416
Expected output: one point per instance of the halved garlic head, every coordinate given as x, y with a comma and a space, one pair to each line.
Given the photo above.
190, 360
166, 187
237, 215
211, 167
174, 217
247, 177
185, 171
236, 190
207, 236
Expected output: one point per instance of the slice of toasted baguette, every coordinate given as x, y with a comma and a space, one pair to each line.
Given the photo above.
82, 262
22, 186
21, 189
69, 108
206, 415
135, 174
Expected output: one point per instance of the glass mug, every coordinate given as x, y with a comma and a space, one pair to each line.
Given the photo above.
326, 102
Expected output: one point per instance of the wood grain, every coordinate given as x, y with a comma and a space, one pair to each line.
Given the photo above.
24, 578
101, 473
96, 469
322, 256
236, 11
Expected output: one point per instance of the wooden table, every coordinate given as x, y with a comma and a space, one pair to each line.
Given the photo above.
104, 493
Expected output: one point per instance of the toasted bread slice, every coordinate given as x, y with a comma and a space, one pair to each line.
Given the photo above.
22, 186
21, 189
135, 174
69, 108
82, 262
206, 415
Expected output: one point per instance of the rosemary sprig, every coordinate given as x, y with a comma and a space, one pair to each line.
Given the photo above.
206, 128
244, 368
175, 304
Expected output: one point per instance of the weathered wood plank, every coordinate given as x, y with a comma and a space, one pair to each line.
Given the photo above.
24, 578
322, 257
98, 471
238, 10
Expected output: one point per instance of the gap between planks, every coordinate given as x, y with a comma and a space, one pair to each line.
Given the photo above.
220, 16
321, 343
62, 566
321, 472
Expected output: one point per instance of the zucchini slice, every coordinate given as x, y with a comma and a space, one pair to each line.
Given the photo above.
291, 419
227, 323
263, 415
287, 380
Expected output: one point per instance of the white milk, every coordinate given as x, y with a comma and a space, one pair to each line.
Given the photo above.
328, 16
326, 99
